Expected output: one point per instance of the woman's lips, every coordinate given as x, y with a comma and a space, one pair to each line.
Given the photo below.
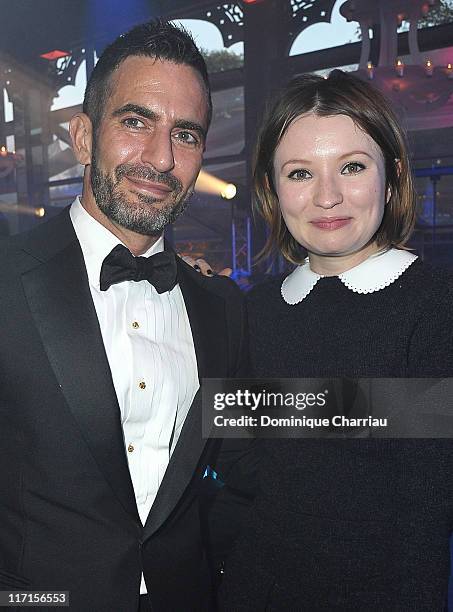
158, 190
331, 223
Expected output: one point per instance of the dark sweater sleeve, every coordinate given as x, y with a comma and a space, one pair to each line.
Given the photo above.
430, 350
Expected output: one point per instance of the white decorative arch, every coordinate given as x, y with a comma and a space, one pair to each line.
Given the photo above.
70, 95
325, 35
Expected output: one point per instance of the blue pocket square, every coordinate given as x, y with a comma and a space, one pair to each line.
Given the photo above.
212, 475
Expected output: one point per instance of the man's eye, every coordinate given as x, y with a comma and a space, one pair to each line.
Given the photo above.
352, 168
299, 175
187, 137
133, 122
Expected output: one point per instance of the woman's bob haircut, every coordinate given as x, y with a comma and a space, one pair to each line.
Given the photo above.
340, 94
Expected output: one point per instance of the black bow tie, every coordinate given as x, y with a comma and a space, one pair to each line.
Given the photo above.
120, 265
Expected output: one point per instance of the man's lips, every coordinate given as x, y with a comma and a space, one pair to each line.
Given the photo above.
160, 190
330, 223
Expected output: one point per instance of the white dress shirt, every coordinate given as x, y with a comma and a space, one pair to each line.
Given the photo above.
150, 350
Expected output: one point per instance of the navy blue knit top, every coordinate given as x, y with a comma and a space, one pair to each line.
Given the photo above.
350, 524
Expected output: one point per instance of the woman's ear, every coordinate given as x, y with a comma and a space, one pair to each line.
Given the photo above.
81, 131
388, 194
269, 183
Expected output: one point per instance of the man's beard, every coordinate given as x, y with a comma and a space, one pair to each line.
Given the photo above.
142, 216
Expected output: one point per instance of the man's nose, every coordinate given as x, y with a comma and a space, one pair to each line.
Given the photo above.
329, 193
158, 151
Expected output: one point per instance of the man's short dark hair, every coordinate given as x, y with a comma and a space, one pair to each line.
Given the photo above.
157, 39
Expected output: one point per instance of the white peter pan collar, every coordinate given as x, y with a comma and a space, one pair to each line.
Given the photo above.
375, 273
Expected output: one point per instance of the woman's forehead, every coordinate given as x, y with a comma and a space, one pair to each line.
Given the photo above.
312, 135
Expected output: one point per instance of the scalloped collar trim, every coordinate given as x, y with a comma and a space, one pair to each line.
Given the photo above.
373, 274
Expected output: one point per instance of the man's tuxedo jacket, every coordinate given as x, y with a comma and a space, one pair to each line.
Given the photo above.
68, 517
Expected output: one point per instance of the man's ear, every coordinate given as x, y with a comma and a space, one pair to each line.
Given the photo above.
81, 131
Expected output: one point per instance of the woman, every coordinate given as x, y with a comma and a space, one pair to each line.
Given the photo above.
358, 524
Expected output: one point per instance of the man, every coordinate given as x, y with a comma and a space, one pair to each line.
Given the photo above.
103, 341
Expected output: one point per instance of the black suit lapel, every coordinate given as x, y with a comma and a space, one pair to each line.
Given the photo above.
206, 311
60, 301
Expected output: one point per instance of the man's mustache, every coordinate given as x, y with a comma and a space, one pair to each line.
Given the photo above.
148, 174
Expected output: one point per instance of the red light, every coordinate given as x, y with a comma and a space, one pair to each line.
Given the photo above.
253, 1
55, 54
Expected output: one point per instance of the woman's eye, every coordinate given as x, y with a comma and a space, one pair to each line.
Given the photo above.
187, 137
133, 122
353, 168
299, 175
